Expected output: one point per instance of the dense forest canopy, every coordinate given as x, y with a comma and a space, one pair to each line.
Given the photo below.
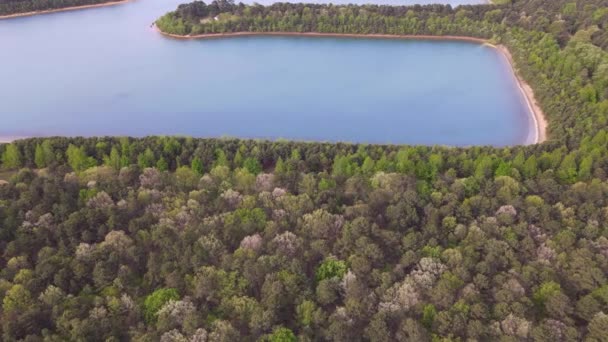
183, 239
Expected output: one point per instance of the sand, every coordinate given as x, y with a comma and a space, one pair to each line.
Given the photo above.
73, 8
9, 139
538, 116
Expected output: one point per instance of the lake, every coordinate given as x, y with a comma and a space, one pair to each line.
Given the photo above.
104, 71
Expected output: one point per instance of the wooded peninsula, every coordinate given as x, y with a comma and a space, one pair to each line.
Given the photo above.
185, 239
20, 8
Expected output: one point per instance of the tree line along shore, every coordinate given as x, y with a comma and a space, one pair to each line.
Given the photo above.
19, 8
184, 239
539, 48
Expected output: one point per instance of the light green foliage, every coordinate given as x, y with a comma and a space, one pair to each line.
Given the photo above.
243, 180
503, 169
114, 159
343, 167
18, 298
220, 158
569, 8
545, 291
197, 166
305, 312
39, 157
252, 165
12, 158
368, 166
146, 159
186, 178
326, 184
162, 164
171, 146
598, 327
78, 159
243, 222
156, 300
282, 335
433, 252
331, 268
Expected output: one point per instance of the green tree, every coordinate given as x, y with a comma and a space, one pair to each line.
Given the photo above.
114, 159
252, 165
428, 315
331, 268
282, 334
155, 302
220, 158
39, 157
12, 158
78, 159
186, 178
146, 159
305, 312
545, 291
197, 166
162, 164
16, 299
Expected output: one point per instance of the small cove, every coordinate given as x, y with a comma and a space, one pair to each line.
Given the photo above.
105, 72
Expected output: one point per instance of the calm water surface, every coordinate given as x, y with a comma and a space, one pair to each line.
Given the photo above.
106, 72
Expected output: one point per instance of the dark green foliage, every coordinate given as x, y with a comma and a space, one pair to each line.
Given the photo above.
252, 165
369, 250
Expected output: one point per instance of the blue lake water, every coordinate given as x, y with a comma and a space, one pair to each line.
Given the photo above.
104, 71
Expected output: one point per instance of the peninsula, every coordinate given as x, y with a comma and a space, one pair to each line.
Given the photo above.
14, 9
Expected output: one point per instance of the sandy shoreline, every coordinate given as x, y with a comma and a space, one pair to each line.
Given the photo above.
317, 34
538, 116
65, 9
9, 139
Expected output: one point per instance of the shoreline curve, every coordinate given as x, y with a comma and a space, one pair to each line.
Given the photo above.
538, 116
319, 34
7, 139
64, 9
536, 112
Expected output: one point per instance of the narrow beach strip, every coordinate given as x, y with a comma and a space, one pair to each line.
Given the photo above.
65, 9
318, 34
7, 139
538, 116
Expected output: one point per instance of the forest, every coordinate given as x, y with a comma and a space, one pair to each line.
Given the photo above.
183, 239
192, 239
9, 7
